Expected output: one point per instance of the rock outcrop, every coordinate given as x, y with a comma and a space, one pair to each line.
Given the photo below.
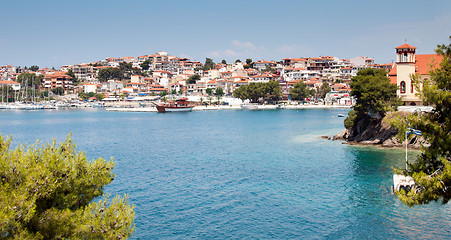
376, 132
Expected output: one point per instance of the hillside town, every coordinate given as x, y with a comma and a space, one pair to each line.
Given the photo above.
160, 74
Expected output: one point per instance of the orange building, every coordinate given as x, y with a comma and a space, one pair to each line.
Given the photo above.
58, 79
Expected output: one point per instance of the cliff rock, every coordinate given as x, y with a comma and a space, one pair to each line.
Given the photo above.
376, 132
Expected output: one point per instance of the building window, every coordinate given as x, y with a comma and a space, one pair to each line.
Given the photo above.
403, 87
411, 87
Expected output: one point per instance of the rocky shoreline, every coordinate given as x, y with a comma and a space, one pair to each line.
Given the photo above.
377, 133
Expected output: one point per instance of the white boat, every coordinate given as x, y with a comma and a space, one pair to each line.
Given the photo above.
280, 106
341, 115
29, 106
249, 106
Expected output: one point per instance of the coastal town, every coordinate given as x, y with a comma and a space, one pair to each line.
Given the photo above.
127, 81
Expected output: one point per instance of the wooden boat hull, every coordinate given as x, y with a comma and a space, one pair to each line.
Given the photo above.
163, 109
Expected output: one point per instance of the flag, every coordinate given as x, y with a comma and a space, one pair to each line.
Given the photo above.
414, 131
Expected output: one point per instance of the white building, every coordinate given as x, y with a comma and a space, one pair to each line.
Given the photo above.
14, 85
87, 88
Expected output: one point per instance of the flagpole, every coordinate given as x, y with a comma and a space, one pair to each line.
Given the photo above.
406, 149
406, 144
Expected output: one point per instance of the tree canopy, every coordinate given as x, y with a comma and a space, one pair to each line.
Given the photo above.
75, 80
300, 91
374, 93
249, 63
209, 64
145, 65
269, 91
323, 90
46, 192
219, 91
193, 79
34, 68
106, 74
432, 169
29, 79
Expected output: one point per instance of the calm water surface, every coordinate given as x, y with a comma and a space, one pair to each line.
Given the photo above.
241, 174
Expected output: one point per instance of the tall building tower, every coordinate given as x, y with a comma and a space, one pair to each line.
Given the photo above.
405, 61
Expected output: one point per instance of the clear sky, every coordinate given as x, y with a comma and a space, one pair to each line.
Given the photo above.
56, 33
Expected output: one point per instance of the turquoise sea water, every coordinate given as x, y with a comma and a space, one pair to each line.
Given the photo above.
241, 174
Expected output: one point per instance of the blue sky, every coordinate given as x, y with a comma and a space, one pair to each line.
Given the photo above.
55, 33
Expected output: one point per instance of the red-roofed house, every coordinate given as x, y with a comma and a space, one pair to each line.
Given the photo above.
140, 86
262, 64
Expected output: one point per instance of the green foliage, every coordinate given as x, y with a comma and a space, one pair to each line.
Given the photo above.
106, 74
8, 94
272, 91
29, 79
174, 91
432, 171
44, 94
218, 99
300, 91
209, 91
249, 63
46, 193
192, 79
58, 91
224, 61
255, 91
374, 92
209, 64
99, 96
145, 65
351, 119
34, 68
163, 93
75, 80
323, 90
210, 98
219, 91
125, 70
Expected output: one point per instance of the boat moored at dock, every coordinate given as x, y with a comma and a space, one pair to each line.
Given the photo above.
180, 105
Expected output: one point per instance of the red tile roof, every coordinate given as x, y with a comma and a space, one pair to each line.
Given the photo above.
406, 46
424, 63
